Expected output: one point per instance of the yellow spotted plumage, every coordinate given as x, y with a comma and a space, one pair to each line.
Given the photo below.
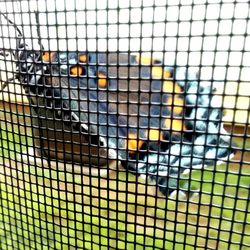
175, 124
171, 87
175, 104
155, 135
158, 72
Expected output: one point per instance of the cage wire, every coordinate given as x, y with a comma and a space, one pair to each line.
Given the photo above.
124, 124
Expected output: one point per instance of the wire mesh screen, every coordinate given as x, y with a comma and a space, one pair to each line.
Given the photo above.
124, 124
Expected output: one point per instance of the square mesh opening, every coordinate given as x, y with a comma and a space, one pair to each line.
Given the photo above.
124, 124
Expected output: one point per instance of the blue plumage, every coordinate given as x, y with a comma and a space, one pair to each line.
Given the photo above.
190, 139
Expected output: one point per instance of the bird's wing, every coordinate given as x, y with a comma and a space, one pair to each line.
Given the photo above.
160, 122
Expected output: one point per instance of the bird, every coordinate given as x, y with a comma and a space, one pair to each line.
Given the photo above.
94, 108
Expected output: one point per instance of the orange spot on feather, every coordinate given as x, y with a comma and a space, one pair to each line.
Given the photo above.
102, 81
159, 72
143, 59
155, 135
76, 70
48, 56
176, 125
171, 87
176, 103
83, 58
133, 143
146, 59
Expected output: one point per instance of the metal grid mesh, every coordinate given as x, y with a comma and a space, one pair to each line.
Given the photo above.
124, 124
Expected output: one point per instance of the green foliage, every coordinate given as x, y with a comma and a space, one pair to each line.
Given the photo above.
45, 208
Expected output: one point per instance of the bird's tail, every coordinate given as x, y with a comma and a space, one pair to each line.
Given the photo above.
205, 143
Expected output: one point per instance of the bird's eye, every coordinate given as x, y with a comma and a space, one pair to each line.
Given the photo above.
77, 70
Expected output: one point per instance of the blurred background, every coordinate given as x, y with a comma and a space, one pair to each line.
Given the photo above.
211, 37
